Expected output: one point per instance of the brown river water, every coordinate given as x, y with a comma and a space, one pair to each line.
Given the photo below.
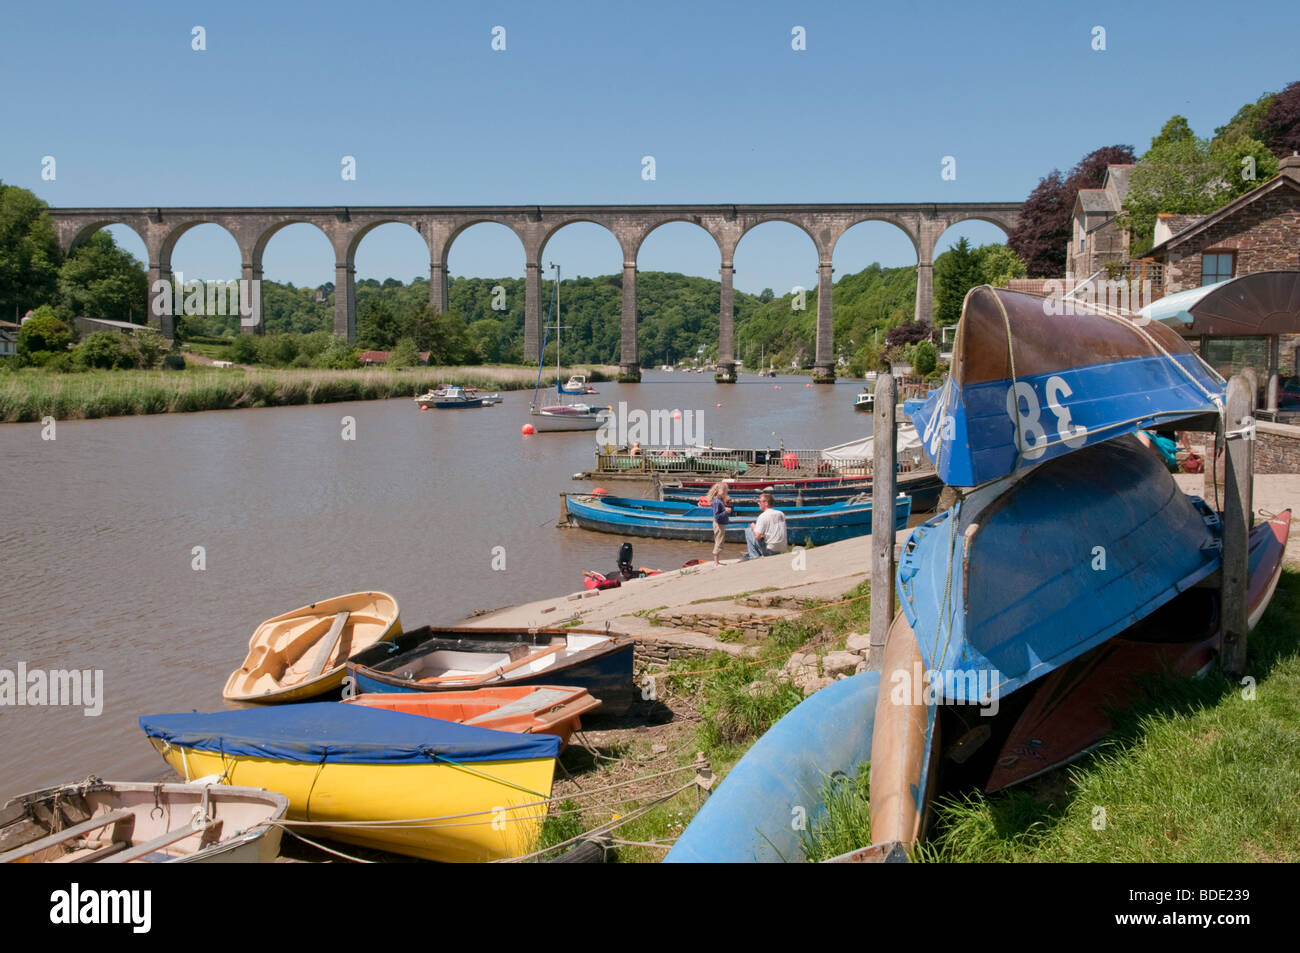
100, 525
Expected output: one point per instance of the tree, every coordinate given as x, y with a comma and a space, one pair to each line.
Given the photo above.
29, 252
766, 295
100, 280
1043, 232
924, 358
43, 335
404, 354
450, 342
999, 264
1279, 127
956, 271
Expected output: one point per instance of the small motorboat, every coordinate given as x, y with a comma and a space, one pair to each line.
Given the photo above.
118, 822
625, 572
441, 660
866, 401
417, 786
453, 398
301, 654
527, 709
577, 384
683, 520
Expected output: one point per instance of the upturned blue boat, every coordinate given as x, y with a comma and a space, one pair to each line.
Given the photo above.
668, 519
1018, 396
1025, 574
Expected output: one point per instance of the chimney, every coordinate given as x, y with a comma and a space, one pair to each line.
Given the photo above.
1290, 167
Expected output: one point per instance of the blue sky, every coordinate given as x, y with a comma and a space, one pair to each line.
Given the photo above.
731, 113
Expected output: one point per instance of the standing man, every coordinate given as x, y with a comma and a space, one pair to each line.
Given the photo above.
766, 535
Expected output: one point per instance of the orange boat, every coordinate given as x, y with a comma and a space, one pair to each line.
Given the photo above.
526, 709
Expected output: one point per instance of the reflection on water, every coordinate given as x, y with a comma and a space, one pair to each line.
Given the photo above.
102, 528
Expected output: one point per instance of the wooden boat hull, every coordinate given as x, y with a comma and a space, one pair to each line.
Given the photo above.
1029, 384
592, 660
904, 744
748, 818
285, 662
625, 516
456, 802
1068, 714
1007, 584
160, 824
540, 709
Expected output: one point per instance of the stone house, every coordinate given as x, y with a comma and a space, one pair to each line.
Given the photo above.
1097, 239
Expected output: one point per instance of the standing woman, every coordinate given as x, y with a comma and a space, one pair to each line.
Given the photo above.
720, 503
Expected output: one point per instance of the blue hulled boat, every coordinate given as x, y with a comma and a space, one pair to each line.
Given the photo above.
668, 519
432, 660
1027, 573
1018, 393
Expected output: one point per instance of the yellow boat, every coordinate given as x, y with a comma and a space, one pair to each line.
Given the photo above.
397, 782
304, 653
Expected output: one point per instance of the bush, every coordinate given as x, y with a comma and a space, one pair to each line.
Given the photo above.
106, 350
244, 350
924, 358
173, 362
151, 345
43, 331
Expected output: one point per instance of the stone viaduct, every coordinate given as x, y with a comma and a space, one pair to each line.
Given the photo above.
253, 228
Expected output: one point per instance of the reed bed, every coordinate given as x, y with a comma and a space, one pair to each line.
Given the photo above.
31, 395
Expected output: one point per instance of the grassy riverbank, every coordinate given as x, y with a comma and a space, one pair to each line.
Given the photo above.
31, 394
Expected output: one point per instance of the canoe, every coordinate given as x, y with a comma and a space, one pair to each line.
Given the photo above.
527, 709
1068, 715
670, 519
442, 660
1068, 381
748, 818
923, 488
416, 786
117, 822
301, 654
1025, 574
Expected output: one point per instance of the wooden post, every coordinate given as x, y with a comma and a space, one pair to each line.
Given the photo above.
884, 480
1237, 480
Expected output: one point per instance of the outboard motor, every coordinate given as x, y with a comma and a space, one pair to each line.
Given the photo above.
625, 562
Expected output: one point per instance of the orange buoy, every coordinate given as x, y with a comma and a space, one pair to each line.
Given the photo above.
807, 385
789, 461
719, 405
677, 415
526, 430
599, 491
423, 409
776, 387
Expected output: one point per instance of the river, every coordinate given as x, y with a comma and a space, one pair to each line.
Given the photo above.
101, 524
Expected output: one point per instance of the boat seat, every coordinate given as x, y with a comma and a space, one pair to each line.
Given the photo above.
540, 700
211, 831
327, 644
122, 821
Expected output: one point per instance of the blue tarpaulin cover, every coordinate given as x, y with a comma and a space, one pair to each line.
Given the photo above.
343, 734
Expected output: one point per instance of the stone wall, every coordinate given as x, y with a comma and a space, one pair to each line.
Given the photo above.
1277, 448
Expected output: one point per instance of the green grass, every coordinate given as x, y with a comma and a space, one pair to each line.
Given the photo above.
32, 394
562, 824
1197, 772
846, 823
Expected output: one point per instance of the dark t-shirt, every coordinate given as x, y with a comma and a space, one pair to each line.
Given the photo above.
719, 511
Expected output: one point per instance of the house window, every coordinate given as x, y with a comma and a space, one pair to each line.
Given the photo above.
1216, 267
